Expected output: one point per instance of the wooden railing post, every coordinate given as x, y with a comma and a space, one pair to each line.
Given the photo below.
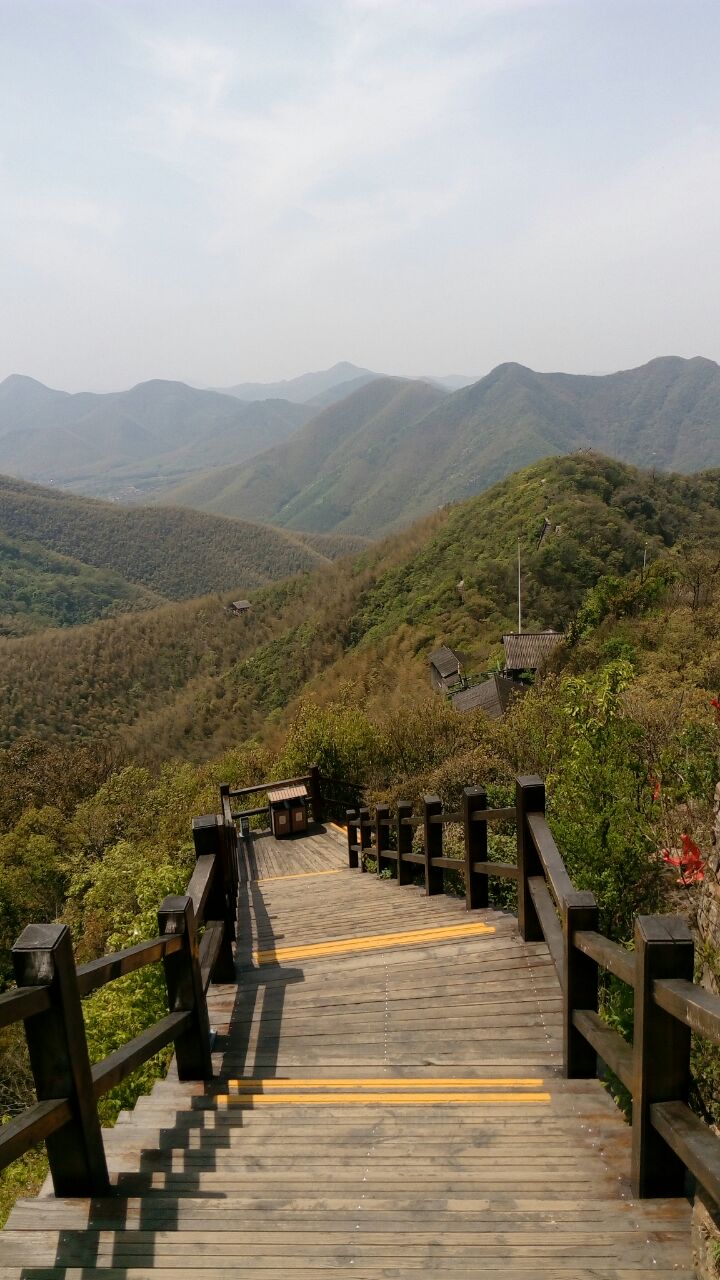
43, 956
529, 798
404, 841
661, 1051
351, 819
382, 833
365, 835
231, 842
433, 833
476, 886
211, 836
315, 793
580, 985
185, 990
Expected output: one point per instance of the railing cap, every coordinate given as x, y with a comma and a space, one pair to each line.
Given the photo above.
207, 820
662, 928
40, 937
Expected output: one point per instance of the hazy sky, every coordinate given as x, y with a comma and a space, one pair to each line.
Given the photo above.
219, 191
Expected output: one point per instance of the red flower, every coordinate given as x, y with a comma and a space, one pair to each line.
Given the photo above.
689, 862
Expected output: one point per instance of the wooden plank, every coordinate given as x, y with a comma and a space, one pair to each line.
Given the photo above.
547, 916
689, 1003
607, 1043
32, 1127
692, 1140
558, 879
201, 882
21, 1003
120, 1064
503, 870
97, 973
609, 955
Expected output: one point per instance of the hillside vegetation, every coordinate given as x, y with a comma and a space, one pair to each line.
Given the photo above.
66, 560
394, 450
39, 588
191, 680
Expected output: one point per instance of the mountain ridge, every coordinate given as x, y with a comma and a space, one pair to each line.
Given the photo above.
665, 414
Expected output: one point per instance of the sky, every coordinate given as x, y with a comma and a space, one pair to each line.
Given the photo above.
230, 190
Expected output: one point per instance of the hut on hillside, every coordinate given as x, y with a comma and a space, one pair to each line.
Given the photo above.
493, 696
529, 650
239, 607
444, 669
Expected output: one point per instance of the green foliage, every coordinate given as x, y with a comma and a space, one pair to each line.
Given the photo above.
23, 1178
169, 552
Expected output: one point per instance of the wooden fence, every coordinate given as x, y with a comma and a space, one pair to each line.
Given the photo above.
668, 1138
48, 999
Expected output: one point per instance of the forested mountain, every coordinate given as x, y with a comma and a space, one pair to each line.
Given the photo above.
335, 473
188, 679
366, 472
127, 442
65, 559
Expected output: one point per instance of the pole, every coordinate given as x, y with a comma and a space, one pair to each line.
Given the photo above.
519, 594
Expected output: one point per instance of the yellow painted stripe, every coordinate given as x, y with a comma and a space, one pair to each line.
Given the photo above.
380, 1099
301, 875
372, 942
386, 1083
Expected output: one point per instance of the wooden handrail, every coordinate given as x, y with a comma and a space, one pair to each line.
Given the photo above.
691, 1004
234, 792
550, 910
97, 973
121, 1064
609, 955
48, 1001
22, 1002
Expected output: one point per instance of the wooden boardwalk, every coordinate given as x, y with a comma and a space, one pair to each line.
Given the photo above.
388, 1103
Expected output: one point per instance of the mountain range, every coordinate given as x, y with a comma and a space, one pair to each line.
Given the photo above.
347, 450
397, 449
125, 443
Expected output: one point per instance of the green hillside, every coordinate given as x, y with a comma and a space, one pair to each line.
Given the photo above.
54, 542
368, 468
39, 588
188, 679
324, 479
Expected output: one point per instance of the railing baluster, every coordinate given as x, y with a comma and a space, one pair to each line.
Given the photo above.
434, 881
43, 956
404, 841
661, 1051
529, 798
580, 985
365, 836
476, 886
315, 794
185, 990
210, 836
351, 819
382, 833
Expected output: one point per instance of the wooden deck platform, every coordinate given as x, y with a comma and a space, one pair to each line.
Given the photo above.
388, 1104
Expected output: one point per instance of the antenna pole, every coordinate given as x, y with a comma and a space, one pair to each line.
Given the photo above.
519, 594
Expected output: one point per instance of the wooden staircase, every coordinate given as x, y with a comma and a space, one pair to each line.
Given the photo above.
388, 1103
